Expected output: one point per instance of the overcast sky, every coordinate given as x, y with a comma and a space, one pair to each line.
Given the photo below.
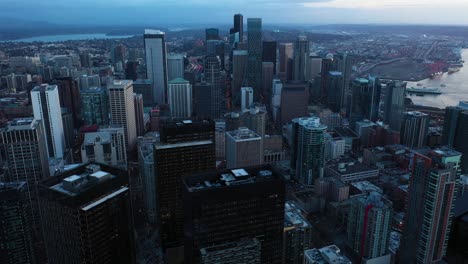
220, 11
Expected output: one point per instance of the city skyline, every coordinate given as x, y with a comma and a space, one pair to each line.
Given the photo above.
318, 12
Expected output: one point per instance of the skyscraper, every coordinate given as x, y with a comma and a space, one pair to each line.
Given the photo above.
344, 63
232, 205
246, 97
243, 148
365, 99
286, 51
186, 147
46, 107
429, 211
335, 91
369, 225
301, 58
175, 66
122, 109
156, 63
254, 47
180, 98
214, 76
91, 205
239, 26
239, 69
139, 114
146, 163
314, 66
211, 34
267, 77
297, 234
16, 244
456, 131
414, 129
269, 53
394, 105
294, 101
95, 108
24, 146
327, 65
308, 147
119, 53
69, 95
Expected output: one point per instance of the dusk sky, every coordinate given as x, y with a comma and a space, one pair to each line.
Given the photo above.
209, 11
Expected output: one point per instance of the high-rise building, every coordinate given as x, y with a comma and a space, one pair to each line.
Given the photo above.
69, 94
335, 90
156, 63
220, 139
85, 59
185, 147
131, 70
91, 205
301, 58
429, 210
314, 66
239, 69
202, 99
85, 81
106, 146
344, 63
394, 104
239, 26
276, 91
243, 148
286, 51
269, 53
326, 255
231, 205
175, 66
16, 241
294, 101
308, 149
255, 119
268, 72
254, 47
180, 98
146, 164
122, 109
369, 225
95, 108
139, 114
215, 77
246, 97
365, 100
414, 129
456, 131
46, 107
328, 65
297, 234
145, 88
211, 34
119, 53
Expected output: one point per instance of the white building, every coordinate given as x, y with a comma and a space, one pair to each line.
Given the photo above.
46, 107
122, 109
326, 255
106, 146
246, 97
243, 148
277, 87
180, 98
156, 63
175, 66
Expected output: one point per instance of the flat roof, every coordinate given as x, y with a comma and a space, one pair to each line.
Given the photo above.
105, 198
153, 32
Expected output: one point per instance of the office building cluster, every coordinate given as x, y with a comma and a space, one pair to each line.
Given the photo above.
253, 150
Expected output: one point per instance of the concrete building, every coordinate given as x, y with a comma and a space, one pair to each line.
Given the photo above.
456, 131
122, 109
294, 101
139, 114
180, 98
243, 148
239, 69
175, 66
348, 170
156, 63
145, 88
394, 104
326, 255
220, 139
297, 234
268, 72
107, 146
301, 58
286, 52
254, 47
46, 107
246, 97
85, 81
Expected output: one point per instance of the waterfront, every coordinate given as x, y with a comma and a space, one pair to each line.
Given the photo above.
56, 38
454, 87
